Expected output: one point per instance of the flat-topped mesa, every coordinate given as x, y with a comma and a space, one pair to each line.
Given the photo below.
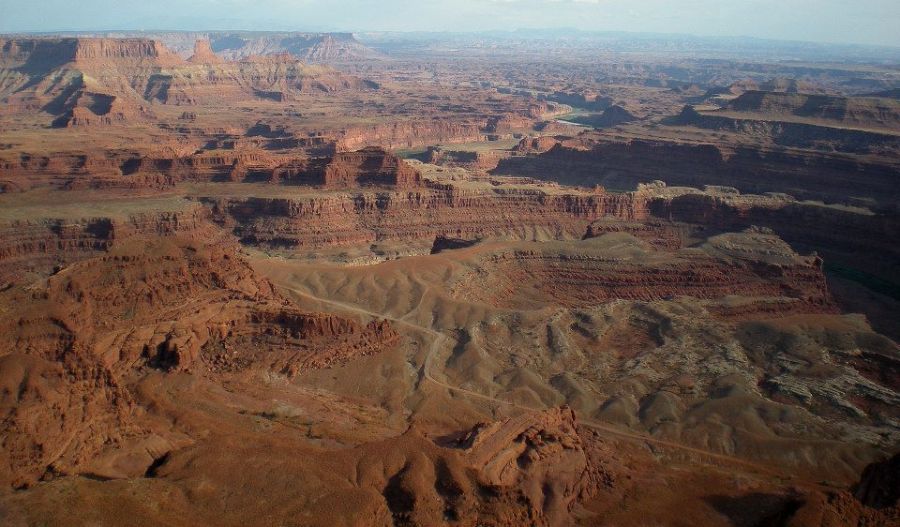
48, 53
370, 166
88, 49
204, 54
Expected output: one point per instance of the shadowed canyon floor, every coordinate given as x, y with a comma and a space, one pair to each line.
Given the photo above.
311, 279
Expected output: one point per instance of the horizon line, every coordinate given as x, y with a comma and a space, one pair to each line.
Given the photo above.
456, 32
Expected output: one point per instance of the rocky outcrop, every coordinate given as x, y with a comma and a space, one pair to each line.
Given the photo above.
488, 160
874, 502
116, 79
855, 239
612, 116
534, 466
814, 133
38, 246
422, 215
527, 470
879, 486
601, 160
753, 266
367, 167
129, 169
537, 145
171, 305
203, 54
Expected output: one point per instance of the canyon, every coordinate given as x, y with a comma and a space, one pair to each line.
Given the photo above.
276, 278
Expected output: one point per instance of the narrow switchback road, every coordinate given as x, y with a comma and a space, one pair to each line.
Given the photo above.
441, 340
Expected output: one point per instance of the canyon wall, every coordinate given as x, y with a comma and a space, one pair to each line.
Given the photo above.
411, 134
39, 245
623, 165
438, 210
370, 166
814, 134
131, 169
871, 112
34, 54
856, 239
102, 82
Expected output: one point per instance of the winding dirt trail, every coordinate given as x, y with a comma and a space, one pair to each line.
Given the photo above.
441, 340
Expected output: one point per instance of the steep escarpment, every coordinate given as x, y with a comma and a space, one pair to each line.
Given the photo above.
36, 54
92, 81
367, 167
309, 47
869, 112
620, 164
410, 134
875, 135
83, 81
34, 247
422, 215
134, 169
279, 78
856, 238
75, 342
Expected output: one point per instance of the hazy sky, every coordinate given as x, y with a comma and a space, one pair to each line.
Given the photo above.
851, 21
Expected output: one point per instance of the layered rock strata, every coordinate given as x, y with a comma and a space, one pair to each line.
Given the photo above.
619, 164
438, 210
739, 274
72, 345
128, 169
